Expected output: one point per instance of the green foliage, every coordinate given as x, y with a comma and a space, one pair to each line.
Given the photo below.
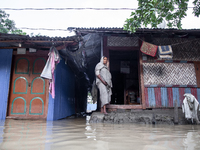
152, 12
196, 9
7, 25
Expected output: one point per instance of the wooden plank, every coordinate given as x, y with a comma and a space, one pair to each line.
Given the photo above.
146, 97
176, 96
58, 47
164, 98
151, 95
198, 94
39, 53
36, 47
197, 70
141, 81
181, 97
124, 106
128, 48
170, 97
158, 97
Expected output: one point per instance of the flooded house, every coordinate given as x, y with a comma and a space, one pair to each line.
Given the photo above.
143, 77
24, 94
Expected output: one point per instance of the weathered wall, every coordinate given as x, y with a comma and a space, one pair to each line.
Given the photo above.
166, 96
168, 80
64, 103
166, 74
5, 69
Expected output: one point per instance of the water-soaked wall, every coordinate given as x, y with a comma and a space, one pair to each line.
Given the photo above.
166, 96
64, 103
5, 69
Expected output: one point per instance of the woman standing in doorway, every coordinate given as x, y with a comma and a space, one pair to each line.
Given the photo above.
104, 83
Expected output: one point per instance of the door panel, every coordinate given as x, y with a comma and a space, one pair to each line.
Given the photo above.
18, 106
37, 69
36, 106
22, 66
20, 86
38, 86
28, 90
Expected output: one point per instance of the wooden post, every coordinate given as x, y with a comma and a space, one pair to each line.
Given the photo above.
141, 79
175, 112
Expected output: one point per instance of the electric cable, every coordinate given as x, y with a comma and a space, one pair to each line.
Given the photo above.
86, 8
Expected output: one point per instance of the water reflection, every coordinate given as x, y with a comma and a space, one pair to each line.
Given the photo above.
78, 134
1, 130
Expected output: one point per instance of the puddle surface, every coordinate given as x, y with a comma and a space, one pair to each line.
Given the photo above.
77, 134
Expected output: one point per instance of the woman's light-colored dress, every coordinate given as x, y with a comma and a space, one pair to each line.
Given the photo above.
105, 91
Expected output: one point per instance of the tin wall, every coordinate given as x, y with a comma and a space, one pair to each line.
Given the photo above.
64, 103
165, 96
5, 70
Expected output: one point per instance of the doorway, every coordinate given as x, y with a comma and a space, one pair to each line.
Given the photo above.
124, 70
28, 94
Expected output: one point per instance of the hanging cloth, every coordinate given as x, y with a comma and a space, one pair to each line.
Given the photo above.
190, 107
48, 71
148, 48
165, 52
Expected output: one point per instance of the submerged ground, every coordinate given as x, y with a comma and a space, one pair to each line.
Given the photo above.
79, 134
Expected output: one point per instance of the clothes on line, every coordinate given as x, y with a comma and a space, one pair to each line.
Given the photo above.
148, 48
165, 52
48, 71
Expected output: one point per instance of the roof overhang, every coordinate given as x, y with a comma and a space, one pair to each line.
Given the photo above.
140, 31
13, 41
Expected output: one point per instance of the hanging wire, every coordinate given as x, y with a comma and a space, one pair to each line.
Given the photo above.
87, 8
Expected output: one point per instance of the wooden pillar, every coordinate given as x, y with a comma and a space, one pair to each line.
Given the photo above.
141, 78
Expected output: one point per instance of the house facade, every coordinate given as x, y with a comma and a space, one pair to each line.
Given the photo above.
141, 81
24, 94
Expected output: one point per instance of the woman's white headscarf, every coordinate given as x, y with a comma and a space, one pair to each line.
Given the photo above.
100, 65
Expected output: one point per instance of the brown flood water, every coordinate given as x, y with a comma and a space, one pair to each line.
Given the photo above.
77, 134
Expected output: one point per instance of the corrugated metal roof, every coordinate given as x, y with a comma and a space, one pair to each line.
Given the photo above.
4, 36
119, 28
13, 40
139, 30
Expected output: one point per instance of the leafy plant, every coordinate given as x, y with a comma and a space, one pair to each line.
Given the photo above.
7, 25
152, 12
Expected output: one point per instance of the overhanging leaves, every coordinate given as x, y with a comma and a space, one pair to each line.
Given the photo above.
7, 25
154, 11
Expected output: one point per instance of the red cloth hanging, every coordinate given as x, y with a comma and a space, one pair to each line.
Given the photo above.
148, 48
